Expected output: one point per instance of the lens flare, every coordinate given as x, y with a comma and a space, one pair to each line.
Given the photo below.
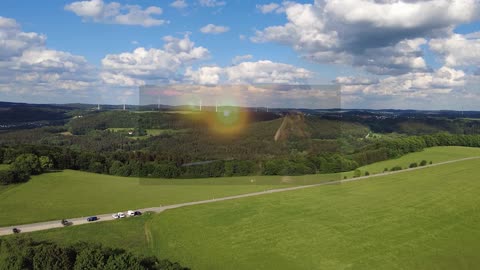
228, 121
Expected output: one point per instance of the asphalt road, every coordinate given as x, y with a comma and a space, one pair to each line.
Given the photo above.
106, 217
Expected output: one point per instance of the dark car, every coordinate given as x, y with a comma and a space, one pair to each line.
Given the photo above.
94, 218
15, 230
137, 213
66, 222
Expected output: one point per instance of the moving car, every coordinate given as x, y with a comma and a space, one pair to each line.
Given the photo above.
65, 222
93, 218
132, 213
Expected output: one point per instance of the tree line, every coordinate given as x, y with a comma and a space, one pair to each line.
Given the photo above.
25, 253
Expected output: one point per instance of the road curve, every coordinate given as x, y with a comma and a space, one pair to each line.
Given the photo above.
106, 217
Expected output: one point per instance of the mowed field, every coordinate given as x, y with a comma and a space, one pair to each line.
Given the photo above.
70, 194
422, 219
434, 154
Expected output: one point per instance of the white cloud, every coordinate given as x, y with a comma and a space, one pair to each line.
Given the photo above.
458, 50
263, 71
28, 66
241, 58
204, 75
116, 13
211, 3
13, 42
414, 84
269, 8
179, 4
151, 65
214, 29
384, 36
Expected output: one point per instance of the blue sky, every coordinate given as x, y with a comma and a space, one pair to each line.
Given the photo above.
380, 54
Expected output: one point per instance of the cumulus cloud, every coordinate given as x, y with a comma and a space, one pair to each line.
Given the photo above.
418, 84
270, 8
116, 13
211, 3
383, 36
241, 58
156, 65
179, 4
13, 42
263, 71
458, 50
28, 66
214, 29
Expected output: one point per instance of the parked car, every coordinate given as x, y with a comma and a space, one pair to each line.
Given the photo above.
66, 222
15, 230
115, 216
137, 213
131, 213
121, 215
94, 218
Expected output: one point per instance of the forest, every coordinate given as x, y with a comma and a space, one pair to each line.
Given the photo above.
25, 253
185, 145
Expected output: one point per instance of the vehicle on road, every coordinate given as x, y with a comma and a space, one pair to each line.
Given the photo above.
66, 222
115, 216
132, 213
15, 230
121, 215
93, 218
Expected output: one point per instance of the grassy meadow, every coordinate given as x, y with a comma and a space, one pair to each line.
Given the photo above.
69, 194
434, 154
423, 219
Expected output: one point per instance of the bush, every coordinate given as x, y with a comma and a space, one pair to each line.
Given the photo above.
423, 162
413, 165
357, 173
367, 173
396, 168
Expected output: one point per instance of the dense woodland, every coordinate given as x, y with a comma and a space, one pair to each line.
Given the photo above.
25, 253
287, 143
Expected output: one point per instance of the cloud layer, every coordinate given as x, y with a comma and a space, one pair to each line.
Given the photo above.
28, 67
383, 36
116, 13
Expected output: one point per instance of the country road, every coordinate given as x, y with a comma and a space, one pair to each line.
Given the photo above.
106, 217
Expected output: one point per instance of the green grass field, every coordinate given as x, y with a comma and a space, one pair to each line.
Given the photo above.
424, 219
434, 154
71, 194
